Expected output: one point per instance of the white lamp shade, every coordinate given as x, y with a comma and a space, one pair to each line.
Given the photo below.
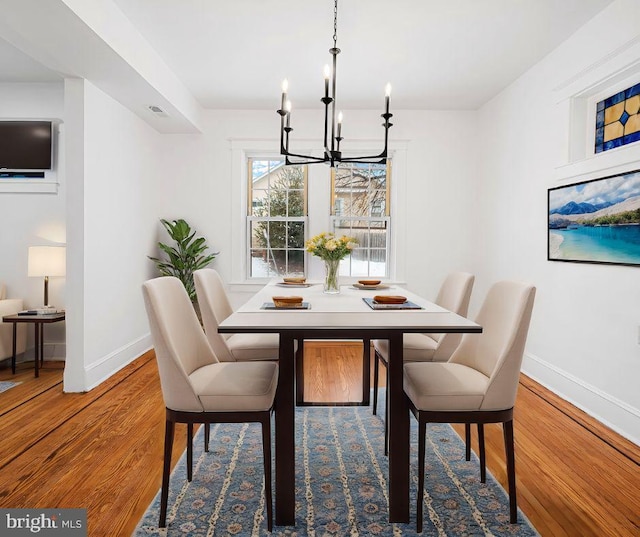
47, 261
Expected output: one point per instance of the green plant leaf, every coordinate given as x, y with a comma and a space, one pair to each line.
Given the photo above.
187, 255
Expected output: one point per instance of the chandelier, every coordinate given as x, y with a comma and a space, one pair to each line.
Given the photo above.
332, 128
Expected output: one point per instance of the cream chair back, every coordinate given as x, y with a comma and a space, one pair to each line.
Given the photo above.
179, 342
454, 295
504, 316
214, 308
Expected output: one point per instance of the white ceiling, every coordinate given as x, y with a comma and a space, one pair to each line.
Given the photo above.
437, 54
16, 66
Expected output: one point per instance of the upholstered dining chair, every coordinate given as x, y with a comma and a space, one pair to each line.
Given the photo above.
196, 387
215, 308
454, 295
479, 382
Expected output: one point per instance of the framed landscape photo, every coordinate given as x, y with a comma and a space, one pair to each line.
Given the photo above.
596, 221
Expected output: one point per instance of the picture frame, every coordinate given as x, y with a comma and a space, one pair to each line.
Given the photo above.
595, 221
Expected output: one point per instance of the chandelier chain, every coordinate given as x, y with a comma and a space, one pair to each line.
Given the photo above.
335, 24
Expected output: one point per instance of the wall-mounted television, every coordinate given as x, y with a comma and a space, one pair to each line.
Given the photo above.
26, 145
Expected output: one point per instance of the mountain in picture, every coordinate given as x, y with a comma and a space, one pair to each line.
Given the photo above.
581, 208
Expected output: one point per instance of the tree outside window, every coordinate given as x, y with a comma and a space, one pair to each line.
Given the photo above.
277, 217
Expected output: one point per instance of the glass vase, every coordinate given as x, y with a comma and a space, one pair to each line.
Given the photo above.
331, 284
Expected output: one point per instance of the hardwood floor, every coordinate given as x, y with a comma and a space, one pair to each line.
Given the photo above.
103, 450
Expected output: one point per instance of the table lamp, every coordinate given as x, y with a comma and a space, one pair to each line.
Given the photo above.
47, 261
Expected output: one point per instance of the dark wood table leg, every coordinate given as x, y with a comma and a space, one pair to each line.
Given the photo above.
300, 373
13, 354
366, 371
285, 435
398, 435
37, 348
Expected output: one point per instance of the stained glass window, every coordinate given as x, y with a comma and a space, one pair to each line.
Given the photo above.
618, 119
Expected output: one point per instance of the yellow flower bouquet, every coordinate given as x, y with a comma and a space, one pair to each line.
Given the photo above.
331, 249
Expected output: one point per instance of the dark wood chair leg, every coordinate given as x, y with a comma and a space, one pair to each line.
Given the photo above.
375, 382
207, 436
467, 441
483, 459
189, 451
507, 428
422, 430
166, 471
266, 453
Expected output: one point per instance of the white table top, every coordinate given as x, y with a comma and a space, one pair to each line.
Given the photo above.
345, 310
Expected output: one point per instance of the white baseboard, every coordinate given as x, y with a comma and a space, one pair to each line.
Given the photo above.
611, 411
101, 370
55, 351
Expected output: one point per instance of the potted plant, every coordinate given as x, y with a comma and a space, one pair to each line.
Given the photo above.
188, 254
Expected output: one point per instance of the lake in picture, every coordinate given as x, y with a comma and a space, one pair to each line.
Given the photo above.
596, 221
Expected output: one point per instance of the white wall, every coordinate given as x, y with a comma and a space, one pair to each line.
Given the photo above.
34, 219
583, 341
112, 223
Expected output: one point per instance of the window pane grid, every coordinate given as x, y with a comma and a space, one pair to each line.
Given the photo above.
371, 256
276, 222
360, 209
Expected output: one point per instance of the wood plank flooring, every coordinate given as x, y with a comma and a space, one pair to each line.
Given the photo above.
103, 450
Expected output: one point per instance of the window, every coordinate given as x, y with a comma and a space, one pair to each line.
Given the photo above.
360, 194
277, 214
282, 206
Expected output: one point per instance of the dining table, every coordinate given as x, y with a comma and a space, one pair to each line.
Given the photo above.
347, 315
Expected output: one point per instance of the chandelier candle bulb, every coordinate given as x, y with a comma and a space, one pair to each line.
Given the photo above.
339, 125
285, 87
387, 94
327, 75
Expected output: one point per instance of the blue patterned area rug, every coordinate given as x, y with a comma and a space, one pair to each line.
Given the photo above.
7, 385
341, 484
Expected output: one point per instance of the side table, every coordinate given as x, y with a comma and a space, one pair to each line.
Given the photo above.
38, 322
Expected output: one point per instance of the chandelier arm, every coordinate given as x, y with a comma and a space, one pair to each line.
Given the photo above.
282, 148
334, 51
308, 157
364, 160
368, 158
326, 123
288, 162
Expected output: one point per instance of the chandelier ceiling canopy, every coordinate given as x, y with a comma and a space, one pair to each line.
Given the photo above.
332, 122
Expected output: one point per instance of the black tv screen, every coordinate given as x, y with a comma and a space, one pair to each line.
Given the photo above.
25, 145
